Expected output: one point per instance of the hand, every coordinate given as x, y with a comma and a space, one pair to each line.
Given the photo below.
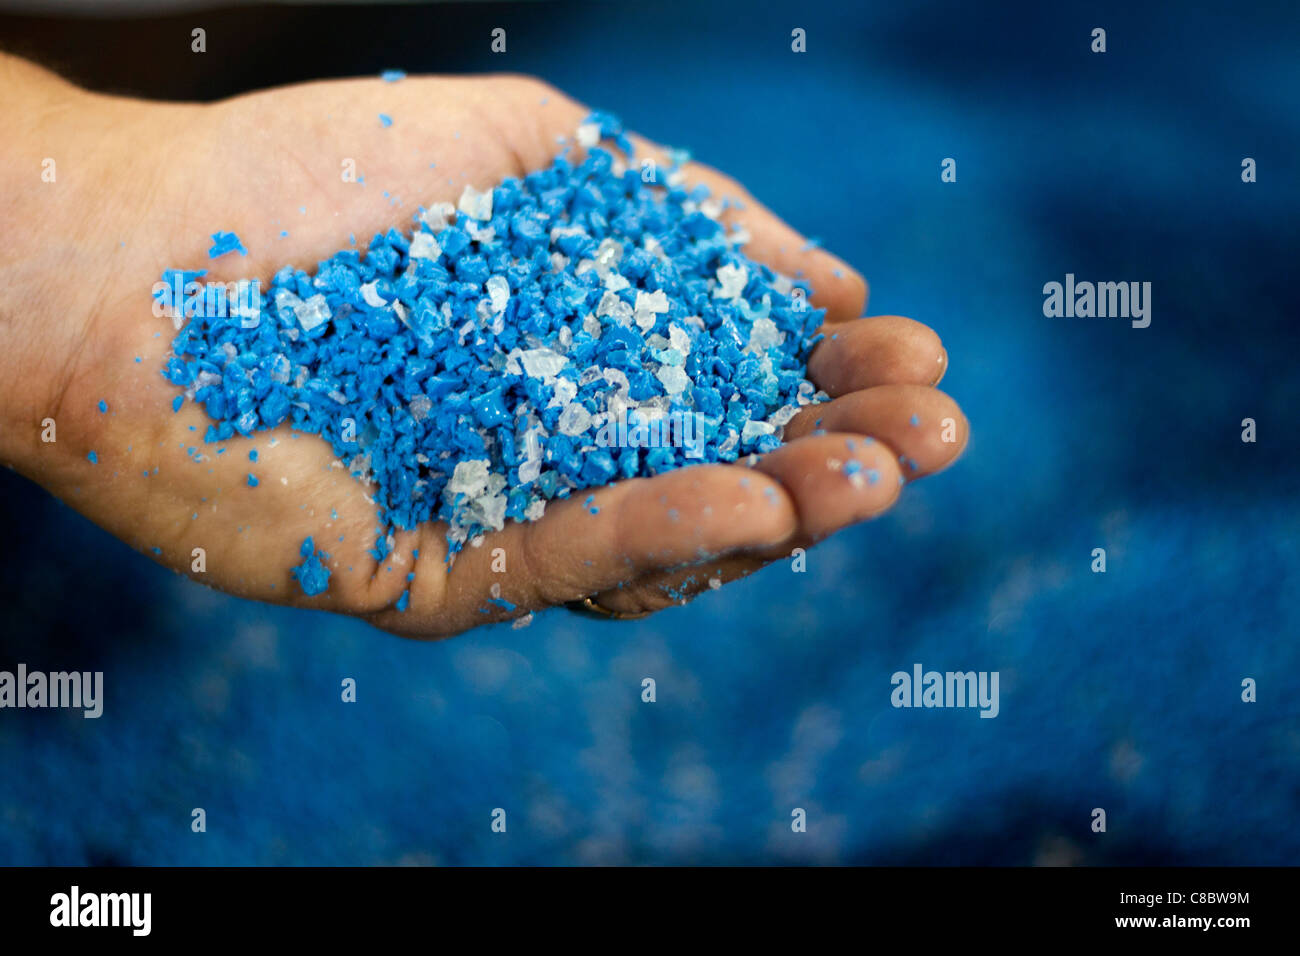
141, 186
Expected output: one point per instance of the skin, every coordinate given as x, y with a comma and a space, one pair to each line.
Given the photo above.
139, 188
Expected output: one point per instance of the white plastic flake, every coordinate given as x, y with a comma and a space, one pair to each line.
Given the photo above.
731, 282
781, 417
608, 255
280, 369
764, 335
421, 405
589, 134
679, 340
622, 314
498, 290
491, 507
475, 204
437, 216
372, 296
608, 303
566, 389
312, 312
424, 246
674, 379
574, 420
656, 301
754, 429
285, 299
480, 233
533, 440
201, 380
617, 379
542, 363
469, 479
649, 306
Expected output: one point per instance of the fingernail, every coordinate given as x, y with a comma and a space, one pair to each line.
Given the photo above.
943, 367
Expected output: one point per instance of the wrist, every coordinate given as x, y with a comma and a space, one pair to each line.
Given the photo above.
61, 186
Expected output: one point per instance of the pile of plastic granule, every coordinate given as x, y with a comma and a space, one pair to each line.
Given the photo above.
554, 333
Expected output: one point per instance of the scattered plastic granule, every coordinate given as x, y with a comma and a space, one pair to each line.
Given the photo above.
914, 420
392, 76
252, 455
404, 601
385, 120
93, 458
312, 575
252, 481
224, 242
547, 335
103, 406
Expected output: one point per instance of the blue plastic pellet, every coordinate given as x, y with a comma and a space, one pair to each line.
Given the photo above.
224, 242
312, 575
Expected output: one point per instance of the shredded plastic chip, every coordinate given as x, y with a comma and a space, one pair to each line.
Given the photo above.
224, 242
312, 575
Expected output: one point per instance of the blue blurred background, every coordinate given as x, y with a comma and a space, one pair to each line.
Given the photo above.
1119, 690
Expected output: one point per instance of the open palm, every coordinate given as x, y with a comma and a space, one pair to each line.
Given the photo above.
141, 188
